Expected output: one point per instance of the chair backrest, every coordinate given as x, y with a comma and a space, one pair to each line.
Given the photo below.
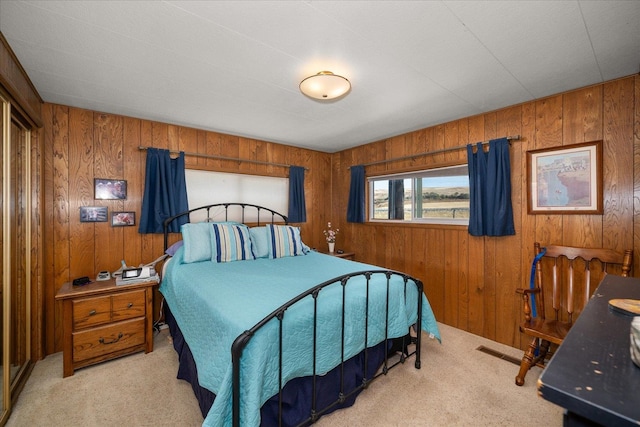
568, 275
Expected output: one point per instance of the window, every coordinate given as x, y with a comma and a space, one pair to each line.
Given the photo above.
439, 196
209, 187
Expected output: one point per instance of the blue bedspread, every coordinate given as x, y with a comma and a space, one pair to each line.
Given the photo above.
215, 303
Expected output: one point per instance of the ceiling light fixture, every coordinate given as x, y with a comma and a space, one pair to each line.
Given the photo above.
325, 85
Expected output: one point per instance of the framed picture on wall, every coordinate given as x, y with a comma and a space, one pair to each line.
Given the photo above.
123, 219
565, 180
110, 189
93, 214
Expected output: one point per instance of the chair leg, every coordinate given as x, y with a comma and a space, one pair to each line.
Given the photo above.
544, 349
527, 361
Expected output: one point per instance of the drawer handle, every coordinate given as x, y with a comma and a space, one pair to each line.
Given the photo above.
102, 341
92, 313
130, 305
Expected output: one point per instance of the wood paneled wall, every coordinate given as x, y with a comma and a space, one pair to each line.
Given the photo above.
471, 281
81, 145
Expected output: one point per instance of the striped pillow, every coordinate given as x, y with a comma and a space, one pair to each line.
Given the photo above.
284, 240
230, 242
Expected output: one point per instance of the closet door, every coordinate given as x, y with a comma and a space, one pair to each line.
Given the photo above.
19, 315
5, 395
16, 254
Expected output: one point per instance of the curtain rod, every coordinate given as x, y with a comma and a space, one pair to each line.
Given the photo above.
429, 153
233, 159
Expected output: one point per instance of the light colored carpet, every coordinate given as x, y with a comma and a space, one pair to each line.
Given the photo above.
456, 386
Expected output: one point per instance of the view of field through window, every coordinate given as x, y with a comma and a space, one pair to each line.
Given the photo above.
422, 197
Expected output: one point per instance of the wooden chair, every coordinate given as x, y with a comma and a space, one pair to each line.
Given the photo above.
561, 290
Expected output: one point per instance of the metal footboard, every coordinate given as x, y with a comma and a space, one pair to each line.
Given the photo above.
265, 216
243, 340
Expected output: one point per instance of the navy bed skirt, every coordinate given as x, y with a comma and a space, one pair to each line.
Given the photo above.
296, 395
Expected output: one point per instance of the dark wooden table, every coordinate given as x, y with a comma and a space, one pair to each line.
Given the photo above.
592, 375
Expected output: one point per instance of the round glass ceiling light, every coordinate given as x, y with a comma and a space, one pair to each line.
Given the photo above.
325, 85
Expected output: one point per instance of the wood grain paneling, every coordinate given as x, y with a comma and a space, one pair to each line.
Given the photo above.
618, 149
133, 173
81, 154
527, 222
58, 216
471, 281
108, 163
82, 145
509, 122
583, 123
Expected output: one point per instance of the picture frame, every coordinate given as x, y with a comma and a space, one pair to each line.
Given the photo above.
110, 189
123, 219
93, 214
565, 180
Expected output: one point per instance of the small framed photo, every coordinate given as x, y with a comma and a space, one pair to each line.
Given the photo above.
110, 189
93, 214
565, 180
123, 219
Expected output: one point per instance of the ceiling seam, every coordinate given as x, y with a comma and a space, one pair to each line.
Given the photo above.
586, 29
490, 52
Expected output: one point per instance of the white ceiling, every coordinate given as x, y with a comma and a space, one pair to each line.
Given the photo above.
234, 66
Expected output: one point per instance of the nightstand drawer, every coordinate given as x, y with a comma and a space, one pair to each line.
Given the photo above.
127, 305
91, 311
103, 320
108, 339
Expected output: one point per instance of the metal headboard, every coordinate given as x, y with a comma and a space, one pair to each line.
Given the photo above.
276, 217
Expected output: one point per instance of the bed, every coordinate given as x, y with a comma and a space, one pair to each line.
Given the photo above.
270, 332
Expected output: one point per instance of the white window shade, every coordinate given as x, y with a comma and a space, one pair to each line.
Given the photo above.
207, 187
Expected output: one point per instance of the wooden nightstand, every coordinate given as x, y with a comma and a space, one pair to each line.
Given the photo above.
346, 255
102, 321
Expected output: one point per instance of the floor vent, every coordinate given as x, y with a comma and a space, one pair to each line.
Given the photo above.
499, 355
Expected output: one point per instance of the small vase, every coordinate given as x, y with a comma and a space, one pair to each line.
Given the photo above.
332, 246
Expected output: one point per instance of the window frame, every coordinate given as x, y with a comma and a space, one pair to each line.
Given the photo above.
425, 172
